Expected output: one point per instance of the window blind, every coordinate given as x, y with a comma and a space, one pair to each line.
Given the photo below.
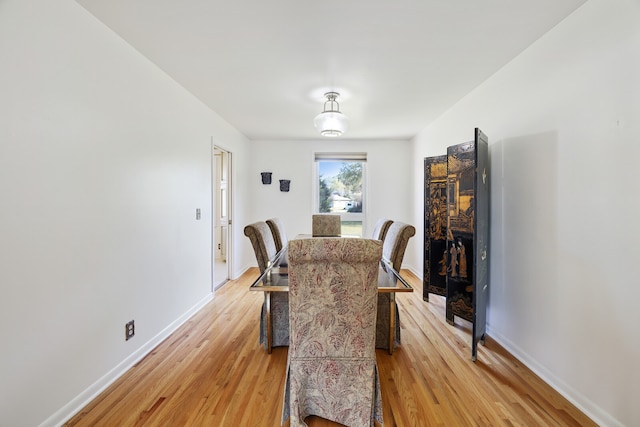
361, 157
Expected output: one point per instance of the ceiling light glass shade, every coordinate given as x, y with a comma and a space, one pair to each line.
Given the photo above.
331, 122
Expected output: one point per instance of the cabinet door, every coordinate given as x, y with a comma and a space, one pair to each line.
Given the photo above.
435, 226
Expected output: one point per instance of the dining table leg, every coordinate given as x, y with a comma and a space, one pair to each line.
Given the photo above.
392, 320
267, 303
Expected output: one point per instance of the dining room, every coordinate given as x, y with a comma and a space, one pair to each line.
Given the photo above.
106, 156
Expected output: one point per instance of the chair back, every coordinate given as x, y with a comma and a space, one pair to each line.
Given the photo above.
326, 225
279, 235
395, 243
333, 296
381, 228
262, 241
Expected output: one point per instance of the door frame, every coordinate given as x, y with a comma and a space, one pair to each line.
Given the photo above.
215, 281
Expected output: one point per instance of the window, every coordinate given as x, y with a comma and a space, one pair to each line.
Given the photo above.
340, 181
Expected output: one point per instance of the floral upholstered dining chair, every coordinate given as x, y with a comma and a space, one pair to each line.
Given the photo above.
395, 243
264, 247
262, 241
332, 370
279, 234
381, 228
326, 225
393, 249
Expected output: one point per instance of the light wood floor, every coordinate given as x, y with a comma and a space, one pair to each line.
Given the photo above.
213, 372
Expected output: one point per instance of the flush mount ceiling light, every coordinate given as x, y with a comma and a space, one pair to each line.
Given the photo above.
331, 122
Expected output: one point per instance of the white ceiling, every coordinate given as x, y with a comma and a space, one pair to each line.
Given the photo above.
265, 65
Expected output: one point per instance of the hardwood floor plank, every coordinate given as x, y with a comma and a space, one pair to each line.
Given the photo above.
213, 371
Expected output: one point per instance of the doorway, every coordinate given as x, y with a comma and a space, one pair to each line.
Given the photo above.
221, 216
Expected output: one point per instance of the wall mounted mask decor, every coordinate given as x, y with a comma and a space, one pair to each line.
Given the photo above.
266, 177
284, 184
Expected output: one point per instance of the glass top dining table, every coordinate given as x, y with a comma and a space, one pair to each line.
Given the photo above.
275, 278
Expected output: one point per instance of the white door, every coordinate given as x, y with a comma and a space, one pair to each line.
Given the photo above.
221, 215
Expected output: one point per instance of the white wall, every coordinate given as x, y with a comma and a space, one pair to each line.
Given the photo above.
103, 162
563, 124
388, 181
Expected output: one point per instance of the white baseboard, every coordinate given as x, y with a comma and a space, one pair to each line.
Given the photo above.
413, 270
593, 411
80, 401
241, 271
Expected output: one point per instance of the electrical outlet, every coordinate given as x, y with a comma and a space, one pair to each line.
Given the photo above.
129, 330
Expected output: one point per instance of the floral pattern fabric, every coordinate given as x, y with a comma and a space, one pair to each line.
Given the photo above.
326, 225
279, 235
279, 320
262, 241
395, 243
333, 301
380, 230
264, 246
382, 323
